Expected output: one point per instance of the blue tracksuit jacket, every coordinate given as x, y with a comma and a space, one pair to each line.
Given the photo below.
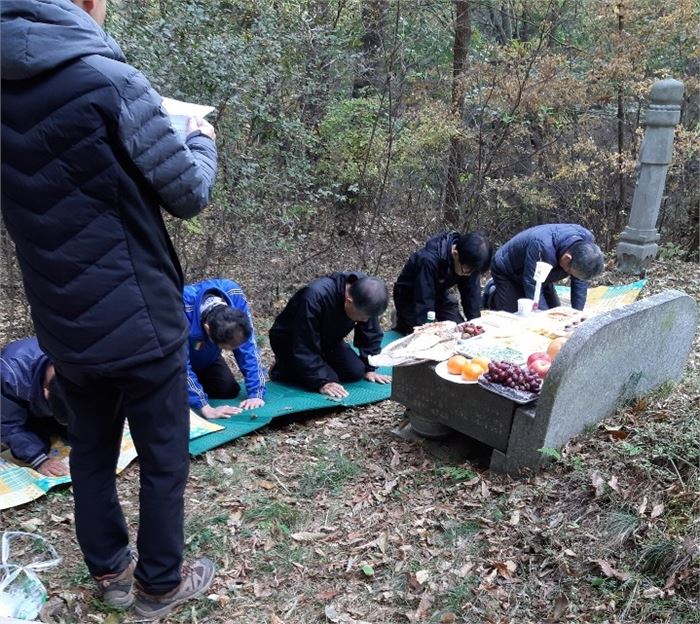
203, 352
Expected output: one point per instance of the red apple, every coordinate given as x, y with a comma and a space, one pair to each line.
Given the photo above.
540, 355
540, 367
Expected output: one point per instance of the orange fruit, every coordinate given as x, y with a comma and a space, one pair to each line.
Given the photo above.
471, 371
481, 362
455, 364
555, 346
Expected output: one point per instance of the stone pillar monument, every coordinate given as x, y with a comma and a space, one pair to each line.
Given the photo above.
637, 246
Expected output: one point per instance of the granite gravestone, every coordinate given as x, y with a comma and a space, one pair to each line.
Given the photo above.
611, 358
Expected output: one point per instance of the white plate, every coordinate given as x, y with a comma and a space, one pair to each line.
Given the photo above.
441, 370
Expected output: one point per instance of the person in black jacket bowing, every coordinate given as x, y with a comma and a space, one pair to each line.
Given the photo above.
307, 337
424, 284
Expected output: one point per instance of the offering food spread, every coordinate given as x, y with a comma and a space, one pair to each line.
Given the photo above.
509, 354
514, 351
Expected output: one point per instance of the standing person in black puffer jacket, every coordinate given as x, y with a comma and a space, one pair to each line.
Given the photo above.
88, 159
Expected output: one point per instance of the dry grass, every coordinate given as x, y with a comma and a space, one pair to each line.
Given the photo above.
333, 519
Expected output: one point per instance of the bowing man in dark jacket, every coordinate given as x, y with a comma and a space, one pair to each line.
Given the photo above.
424, 283
26, 417
568, 247
307, 337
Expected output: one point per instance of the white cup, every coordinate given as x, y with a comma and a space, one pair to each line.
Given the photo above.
525, 306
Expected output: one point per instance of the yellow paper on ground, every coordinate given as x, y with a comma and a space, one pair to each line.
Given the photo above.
605, 298
20, 484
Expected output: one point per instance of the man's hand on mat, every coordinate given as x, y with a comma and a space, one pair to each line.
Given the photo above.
251, 403
333, 390
377, 377
223, 411
53, 468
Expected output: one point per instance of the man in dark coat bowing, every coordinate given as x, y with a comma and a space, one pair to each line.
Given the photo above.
308, 335
424, 285
568, 247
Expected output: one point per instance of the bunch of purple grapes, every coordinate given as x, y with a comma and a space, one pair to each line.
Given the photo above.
513, 376
469, 330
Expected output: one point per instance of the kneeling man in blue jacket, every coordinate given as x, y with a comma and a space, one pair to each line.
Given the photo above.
27, 420
219, 318
568, 247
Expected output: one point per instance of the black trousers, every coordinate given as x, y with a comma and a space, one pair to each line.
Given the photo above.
446, 309
218, 380
153, 399
345, 362
342, 359
509, 290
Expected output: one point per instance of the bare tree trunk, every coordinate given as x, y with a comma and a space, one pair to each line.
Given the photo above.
453, 191
621, 198
317, 72
369, 70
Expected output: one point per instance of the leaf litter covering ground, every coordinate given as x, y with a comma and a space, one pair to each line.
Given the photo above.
334, 519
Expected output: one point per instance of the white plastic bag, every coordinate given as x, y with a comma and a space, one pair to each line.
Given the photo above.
22, 594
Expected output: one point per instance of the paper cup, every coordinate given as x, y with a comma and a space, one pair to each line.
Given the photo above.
525, 306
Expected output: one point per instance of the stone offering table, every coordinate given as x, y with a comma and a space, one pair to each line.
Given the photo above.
611, 358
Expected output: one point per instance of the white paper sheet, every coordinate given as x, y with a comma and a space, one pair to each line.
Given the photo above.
180, 112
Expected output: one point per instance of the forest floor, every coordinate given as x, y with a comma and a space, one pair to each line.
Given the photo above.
333, 518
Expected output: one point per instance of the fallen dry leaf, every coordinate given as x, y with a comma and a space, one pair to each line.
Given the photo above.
331, 613
485, 492
260, 590
653, 592
426, 602
598, 484
561, 606
611, 572
506, 568
657, 510
618, 433
306, 536
31, 525
642, 507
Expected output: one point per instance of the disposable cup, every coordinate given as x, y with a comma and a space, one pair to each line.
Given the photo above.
525, 306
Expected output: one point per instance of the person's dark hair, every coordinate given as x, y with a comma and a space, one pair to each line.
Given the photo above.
370, 295
227, 325
475, 251
58, 401
586, 259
